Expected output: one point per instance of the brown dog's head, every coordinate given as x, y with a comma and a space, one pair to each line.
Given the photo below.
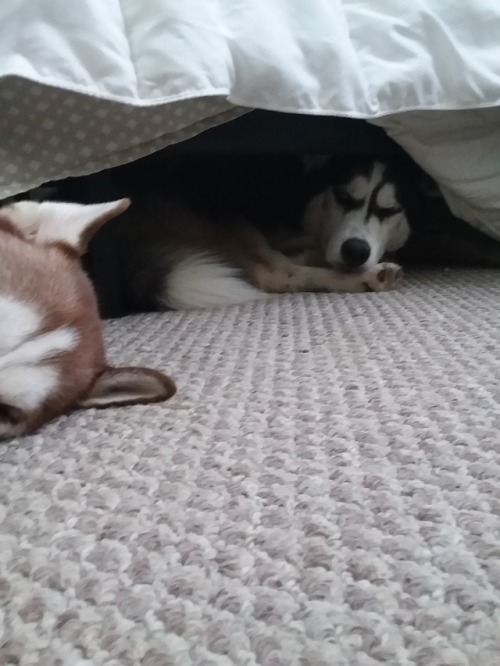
52, 355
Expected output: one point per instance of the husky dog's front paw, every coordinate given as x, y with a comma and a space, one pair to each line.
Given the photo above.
383, 277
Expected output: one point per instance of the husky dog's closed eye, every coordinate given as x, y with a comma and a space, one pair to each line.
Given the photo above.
358, 215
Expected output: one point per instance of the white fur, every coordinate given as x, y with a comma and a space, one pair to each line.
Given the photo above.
386, 196
203, 281
27, 386
40, 348
359, 187
26, 377
55, 222
17, 323
24, 215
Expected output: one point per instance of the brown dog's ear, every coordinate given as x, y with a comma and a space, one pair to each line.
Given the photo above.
129, 386
69, 224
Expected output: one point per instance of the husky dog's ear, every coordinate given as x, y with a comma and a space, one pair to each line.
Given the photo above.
69, 224
129, 386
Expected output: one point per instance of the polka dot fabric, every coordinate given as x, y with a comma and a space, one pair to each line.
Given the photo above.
48, 133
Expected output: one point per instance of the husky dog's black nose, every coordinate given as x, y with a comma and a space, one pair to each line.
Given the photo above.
355, 252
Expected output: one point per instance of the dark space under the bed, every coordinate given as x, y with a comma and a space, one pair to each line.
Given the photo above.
252, 134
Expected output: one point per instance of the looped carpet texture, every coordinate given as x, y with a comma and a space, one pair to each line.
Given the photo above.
324, 490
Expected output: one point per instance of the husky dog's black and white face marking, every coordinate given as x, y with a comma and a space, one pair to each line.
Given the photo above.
360, 218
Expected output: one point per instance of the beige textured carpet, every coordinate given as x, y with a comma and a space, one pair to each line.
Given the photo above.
323, 491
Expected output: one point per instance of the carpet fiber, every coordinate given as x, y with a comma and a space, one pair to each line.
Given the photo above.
324, 490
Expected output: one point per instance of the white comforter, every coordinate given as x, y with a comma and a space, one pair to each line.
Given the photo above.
94, 83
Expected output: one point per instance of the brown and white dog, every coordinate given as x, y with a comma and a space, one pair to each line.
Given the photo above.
52, 355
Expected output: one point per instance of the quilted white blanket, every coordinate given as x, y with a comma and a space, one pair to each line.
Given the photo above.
94, 84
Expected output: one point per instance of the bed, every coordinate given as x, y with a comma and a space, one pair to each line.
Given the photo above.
105, 83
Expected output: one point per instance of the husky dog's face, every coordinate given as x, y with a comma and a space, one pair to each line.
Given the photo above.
360, 218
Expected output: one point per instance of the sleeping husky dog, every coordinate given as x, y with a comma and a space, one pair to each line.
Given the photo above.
180, 255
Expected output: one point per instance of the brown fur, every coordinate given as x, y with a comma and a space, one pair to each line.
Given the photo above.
65, 296
49, 277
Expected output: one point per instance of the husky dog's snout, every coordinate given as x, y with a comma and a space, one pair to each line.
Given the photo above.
355, 252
